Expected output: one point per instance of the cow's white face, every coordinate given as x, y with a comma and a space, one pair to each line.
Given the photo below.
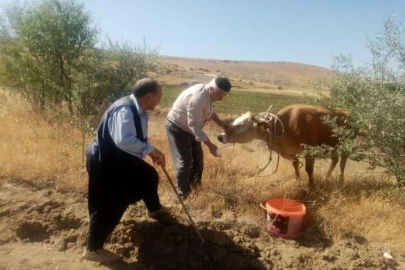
242, 130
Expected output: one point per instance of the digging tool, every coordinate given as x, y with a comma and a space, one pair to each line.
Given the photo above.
182, 204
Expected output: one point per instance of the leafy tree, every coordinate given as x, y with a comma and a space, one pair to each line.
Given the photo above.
375, 97
49, 40
48, 53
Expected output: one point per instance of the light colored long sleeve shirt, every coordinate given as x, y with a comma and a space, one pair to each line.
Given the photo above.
122, 130
191, 110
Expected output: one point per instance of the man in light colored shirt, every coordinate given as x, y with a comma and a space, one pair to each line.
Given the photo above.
184, 128
118, 175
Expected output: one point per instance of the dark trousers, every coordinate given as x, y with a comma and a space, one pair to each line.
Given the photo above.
112, 188
188, 157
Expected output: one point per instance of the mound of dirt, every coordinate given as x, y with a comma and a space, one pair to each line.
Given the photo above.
43, 226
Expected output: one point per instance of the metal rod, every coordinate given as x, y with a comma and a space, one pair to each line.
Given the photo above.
182, 204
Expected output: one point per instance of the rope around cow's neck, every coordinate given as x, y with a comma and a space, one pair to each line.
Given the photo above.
272, 126
272, 129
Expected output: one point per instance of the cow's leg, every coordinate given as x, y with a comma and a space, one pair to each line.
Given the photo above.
309, 168
334, 160
296, 165
343, 161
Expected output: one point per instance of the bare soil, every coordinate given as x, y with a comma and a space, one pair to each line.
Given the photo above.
44, 226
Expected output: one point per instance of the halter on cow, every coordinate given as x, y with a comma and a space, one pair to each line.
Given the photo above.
287, 132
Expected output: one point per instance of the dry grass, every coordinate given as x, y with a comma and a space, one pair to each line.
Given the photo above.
369, 206
245, 74
37, 147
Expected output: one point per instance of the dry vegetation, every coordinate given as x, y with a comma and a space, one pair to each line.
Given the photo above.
267, 77
370, 206
37, 146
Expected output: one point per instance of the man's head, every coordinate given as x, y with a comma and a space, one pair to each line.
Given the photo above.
148, 92
218, 88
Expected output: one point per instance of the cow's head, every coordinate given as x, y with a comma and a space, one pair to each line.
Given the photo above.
242, 130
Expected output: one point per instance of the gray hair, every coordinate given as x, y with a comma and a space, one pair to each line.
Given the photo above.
145, 86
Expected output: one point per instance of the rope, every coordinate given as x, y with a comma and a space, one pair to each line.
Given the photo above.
229, 145
271, 120
268, 162
230, 163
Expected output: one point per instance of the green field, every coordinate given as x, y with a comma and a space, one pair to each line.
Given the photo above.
240, 101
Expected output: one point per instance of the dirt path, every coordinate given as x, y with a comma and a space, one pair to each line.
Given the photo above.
43, 226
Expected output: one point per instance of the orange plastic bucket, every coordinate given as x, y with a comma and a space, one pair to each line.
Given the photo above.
284, 217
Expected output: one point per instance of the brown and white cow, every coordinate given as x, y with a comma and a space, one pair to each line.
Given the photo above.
300, 124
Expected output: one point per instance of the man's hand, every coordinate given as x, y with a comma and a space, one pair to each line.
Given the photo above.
214, 117
158, 157
212, 147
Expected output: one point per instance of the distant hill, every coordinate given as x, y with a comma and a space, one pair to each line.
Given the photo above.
246, 75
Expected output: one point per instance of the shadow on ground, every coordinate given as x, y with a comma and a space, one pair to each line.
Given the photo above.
175, 246
319, 195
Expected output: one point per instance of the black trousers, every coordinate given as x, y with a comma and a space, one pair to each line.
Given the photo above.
112, 188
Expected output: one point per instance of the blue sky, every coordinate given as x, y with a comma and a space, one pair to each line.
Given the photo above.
310, 31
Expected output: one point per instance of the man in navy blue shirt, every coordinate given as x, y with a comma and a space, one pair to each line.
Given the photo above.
118, 175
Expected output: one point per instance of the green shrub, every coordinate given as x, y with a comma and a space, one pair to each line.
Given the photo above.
375, 97
48, 53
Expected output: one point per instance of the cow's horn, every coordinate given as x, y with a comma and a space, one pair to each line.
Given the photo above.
268, 110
